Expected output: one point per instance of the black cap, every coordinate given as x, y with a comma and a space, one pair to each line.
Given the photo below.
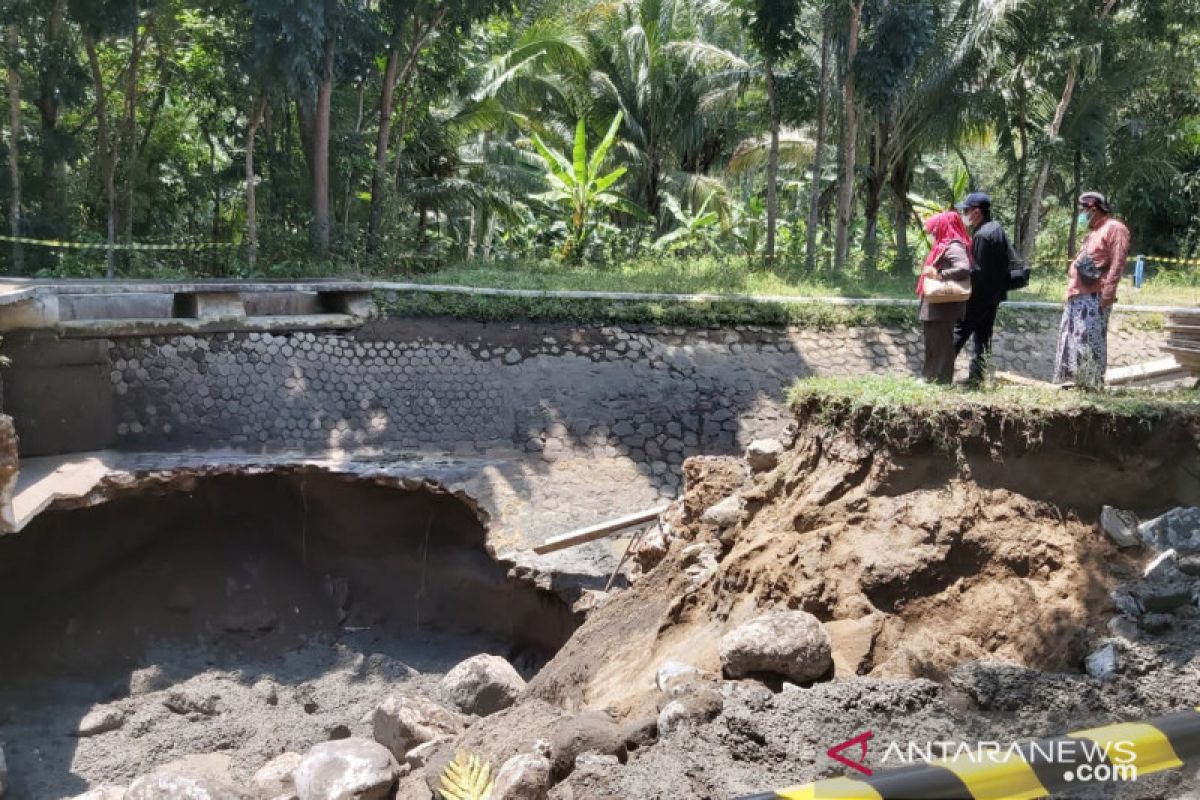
976, 200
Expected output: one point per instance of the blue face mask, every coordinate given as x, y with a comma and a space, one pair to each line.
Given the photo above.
1083, 218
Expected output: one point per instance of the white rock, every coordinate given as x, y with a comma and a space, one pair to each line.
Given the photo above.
100, 719
1102, 664
274, 780
763, 454
483, 684
671, 670
793, 644
1121, 526
103, 793
171, 786
725, 513
523, 777
596, 760
402, 723
348, 769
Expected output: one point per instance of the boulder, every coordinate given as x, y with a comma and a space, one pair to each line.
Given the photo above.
1120, 526
793, 644
177, 786
671, 671
1179, 528
1102, 664
523, 777
483, 684
725, 513
763, 454
348, 769
591, 731
101, 719
103, 793
401, 723
1163, 567
274, 780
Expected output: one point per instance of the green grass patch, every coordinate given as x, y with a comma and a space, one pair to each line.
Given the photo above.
903, 410
486, 308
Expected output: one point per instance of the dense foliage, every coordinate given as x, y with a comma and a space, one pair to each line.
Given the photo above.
384, 136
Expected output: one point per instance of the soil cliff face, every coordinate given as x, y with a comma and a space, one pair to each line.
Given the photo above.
921, 543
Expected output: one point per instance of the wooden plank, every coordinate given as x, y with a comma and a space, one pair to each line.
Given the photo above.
599, 531
1162, 369
1020, 380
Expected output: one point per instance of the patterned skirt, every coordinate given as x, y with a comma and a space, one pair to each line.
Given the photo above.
1082, 355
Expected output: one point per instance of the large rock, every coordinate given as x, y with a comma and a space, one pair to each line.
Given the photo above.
1179, 528
763, 454
103, 793
523, 777
348, 769
726, 513
100, 719
793, 644
274, 780
483, 684
1120, 526
179, 786
589, 732
402, 723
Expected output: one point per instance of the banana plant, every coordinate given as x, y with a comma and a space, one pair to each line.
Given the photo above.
467, 777
693, 231
577, 184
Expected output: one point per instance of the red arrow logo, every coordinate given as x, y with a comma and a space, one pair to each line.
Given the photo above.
835, 752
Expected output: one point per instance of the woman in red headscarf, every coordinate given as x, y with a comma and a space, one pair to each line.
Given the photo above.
948, 260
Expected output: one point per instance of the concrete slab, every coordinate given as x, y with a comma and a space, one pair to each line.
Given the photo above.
43, 481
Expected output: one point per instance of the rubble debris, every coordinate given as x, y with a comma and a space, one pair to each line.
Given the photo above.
1120, 526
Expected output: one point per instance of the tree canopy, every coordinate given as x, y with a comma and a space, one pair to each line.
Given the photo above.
381, 136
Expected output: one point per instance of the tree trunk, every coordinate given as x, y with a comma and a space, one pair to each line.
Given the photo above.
845, 204
256, 115
772, 163
1060, 112
350, 177
900, 178
874, 198
130, 136
320, 156
14, 150
53, 175
420, 35
216, 184
814, 195
1039, 187
108, 160
379, 176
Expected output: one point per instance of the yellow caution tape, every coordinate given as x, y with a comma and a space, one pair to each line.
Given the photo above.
1033, 769
1166, 260
106, 246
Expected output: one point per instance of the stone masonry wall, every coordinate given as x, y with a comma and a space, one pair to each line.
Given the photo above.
650, 393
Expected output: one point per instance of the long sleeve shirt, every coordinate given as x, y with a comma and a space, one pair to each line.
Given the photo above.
954, 265
989, 276
1108, 245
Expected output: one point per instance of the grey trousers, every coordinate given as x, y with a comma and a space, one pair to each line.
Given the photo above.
939, 352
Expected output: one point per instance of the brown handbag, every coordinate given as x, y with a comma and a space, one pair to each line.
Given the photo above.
937, 290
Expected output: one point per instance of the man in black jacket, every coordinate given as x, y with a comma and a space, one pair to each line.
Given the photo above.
989, 281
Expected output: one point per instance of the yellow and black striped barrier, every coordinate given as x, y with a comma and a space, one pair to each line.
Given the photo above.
1166, 260
184, 246
1025, 770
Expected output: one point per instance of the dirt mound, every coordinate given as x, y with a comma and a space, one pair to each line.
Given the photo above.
917, 560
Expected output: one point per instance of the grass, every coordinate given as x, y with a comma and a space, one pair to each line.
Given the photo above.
903, 411
888, 393
709, 275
